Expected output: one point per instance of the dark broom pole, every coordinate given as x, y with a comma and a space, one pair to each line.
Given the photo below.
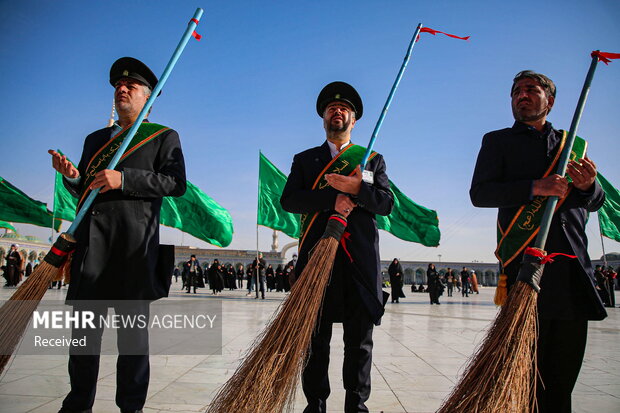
24, 301
501, 375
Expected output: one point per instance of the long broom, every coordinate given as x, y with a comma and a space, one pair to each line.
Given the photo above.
501, 375
273, 365
17, 311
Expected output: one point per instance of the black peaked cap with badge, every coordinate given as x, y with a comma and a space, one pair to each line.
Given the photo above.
341, 92
134, 69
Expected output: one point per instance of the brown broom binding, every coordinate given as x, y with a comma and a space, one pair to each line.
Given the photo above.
270, 371
19, 308
501, 375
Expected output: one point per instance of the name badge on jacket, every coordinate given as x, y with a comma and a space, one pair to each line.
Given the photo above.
368, 177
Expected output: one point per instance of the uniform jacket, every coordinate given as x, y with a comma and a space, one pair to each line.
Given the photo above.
363, 243
509, 161
118, 241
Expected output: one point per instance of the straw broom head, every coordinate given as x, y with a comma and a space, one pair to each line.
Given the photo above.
273, 365
20, 307
501, 375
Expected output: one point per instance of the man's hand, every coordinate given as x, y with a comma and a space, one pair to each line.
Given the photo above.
344, 205
107, 180
553, 185
347, 184
582, 172
63, 165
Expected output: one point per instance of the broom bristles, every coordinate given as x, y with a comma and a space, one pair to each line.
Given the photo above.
18, 310
501, 375
271, 369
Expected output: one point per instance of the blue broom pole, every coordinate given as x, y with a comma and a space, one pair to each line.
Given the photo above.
375, 132
545, 224
134, 128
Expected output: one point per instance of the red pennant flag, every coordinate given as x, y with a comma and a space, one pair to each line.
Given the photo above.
196, 35
434, 32
604, 56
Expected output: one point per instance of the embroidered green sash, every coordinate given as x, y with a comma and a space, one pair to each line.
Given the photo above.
100, 161
344, 164
526, 223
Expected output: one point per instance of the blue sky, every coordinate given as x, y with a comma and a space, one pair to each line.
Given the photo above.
252, 81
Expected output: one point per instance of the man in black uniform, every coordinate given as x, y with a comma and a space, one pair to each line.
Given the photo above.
118, 256
515, 169
324, 180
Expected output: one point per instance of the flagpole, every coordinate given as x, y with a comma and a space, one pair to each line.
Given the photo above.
375, 132
53, 210
145, 109
257, 206
545, 224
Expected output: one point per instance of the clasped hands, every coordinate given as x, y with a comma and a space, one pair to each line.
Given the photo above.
107, 179
348, 185
582, 172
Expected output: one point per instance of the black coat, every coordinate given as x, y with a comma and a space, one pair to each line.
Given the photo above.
396, 280
509, 161
363, 244
118, 241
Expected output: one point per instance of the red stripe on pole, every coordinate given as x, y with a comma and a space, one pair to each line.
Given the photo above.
434, 32
604, 56
196, 35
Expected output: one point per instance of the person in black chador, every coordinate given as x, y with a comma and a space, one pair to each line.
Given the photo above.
395, 270
216, 277
435, 287
14, 262
118, 256
515, 173
319, 184
279, 278
271, 278
193, 274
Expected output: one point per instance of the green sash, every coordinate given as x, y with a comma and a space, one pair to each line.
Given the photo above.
100, 161
526, 223
344, 164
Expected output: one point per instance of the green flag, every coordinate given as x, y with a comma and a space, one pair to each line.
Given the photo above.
609, 214
197, 214
65, 204
194, 213
16, 206
410, 221
271, 183
4, 224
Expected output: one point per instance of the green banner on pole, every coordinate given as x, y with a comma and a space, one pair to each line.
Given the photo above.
609, 214
271, 183
194, 213
16, 206
408, 220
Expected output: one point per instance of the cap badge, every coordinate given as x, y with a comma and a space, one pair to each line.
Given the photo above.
125, 72
337, 96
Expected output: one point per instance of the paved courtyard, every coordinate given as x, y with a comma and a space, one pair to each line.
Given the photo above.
419, 352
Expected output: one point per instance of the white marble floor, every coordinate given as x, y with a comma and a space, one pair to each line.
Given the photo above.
418, 354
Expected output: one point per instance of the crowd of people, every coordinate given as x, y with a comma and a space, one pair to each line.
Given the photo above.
219, 277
